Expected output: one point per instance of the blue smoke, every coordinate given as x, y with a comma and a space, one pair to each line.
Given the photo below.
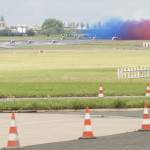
116, 27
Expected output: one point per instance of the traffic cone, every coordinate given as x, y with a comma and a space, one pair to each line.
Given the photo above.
87, 132
101, 92
13, 141
146, 113
147, 90
146, 119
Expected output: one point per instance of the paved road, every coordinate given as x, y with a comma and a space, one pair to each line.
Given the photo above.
40, 128
137, 113
126, 141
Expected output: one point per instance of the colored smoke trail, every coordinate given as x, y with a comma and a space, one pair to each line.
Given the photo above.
124, 30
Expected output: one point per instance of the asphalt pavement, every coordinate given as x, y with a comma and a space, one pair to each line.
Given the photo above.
52, 127
114, 129
134, 114
105, 113
9, 44
126, 141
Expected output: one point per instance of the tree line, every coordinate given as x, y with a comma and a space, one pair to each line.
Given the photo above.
50, 27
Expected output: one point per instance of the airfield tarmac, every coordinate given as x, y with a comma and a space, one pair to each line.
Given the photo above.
40, 128
15, 44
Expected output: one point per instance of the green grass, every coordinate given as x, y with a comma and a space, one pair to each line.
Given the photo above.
73, 104
71, 70
71, 59
75, 82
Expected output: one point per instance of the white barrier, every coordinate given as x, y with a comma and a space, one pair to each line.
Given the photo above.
133, 72
146, 44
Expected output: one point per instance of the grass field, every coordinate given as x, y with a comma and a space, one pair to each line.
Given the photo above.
73, 104
71, 70
41, 83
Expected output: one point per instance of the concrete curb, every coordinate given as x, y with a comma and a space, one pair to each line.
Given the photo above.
67, 98
68, 110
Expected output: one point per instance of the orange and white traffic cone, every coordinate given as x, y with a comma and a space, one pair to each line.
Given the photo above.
87, 132
147, 90
101, 91
13, 141
146, 119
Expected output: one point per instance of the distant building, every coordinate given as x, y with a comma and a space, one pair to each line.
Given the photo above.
2, 23
22, 29
35, 28
13, 29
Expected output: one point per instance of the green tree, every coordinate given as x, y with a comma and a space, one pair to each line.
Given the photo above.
52, 27
30, 32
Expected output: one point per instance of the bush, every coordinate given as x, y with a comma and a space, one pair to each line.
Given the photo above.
30, 32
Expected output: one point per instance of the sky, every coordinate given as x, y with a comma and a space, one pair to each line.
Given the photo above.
32, 12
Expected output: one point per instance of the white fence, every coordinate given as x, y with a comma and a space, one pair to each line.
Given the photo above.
133, 72
146, 44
